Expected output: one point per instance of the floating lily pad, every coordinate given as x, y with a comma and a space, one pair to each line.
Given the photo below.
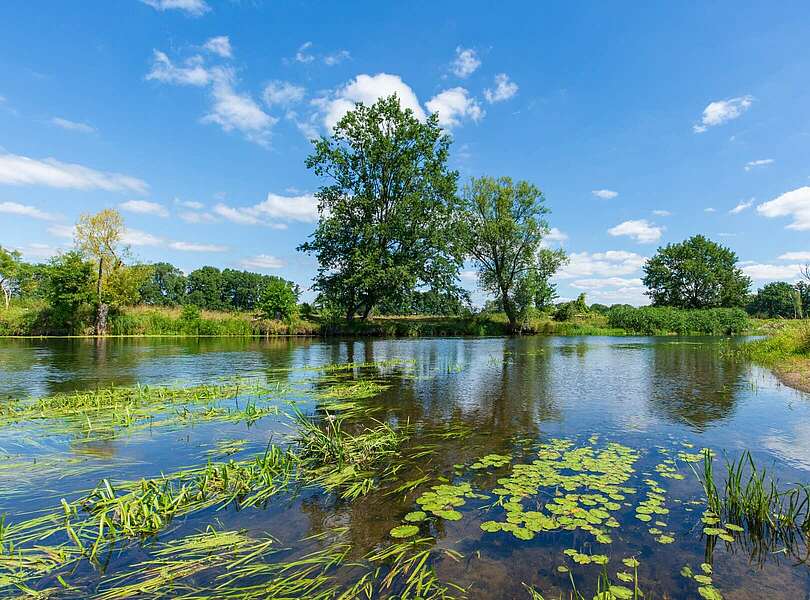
404, 531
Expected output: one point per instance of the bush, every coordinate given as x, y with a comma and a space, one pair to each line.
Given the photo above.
663, 320
279, 301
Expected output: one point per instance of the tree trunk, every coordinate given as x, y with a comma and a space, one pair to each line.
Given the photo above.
350, 314
367, 310
101, 318
6, 295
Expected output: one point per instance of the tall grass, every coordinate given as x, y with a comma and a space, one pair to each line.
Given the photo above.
662, 320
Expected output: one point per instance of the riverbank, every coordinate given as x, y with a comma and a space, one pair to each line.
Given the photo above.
149, 321
786, 352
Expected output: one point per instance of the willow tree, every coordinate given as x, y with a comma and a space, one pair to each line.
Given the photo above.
386, 212
502, 227
99, 238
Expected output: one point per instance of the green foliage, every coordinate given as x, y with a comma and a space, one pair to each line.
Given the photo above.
386, 213
11, 274
696, 273
69, 292
166, 285
654, 320
568, 310
792, 342
279, 300
501, 227
431, 302
778, 299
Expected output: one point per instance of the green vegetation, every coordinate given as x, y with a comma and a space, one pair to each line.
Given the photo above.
653, 320
696, 273
501, 228
387, 210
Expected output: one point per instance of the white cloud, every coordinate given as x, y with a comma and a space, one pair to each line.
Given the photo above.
765, 272
469, 276
194, 8
136, 237
758, 163
165, 71
504, 89
292, 208
283, 93
308, 127
722, 111
62, 231
302, 55
24, 210
220, 45
232, 110
605, 194
465, 63
794, 204
795, 256
555, 235
592, 284
741, 206
194, 217
367, 89
262, 261
613, 263
195, 247
453, 106
21, 170
336, 58
35, 250
73, 125
236, 215
662, 213
641, 230
144, 207
192, 204
709, 210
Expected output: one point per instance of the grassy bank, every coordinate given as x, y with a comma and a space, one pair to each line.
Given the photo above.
786, 351
32, 320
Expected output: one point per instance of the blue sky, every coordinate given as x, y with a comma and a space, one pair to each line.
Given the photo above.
643, 123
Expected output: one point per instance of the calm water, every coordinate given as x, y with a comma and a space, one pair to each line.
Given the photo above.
657, 396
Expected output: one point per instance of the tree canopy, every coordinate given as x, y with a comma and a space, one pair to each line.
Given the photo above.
501, 227
696, 273
386, 214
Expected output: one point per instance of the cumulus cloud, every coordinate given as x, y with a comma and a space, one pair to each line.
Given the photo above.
234, 111
72, 125
709, 210
795, 256
144, 207
195, 8
453, 106
741, 206
465, 63
282, 93
605, 194
220, 45
794, 204
22, 170
555, 235
613, 263
662, 213
640, 230
592, 284
192, 72
62, 231
722, 111
504, 89
302, 208
196, 247
768, 272
367, 89
192, 204
758, 163
235, 215
25, 210
262, 261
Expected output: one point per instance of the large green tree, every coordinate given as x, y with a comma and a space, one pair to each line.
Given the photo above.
696, 273
386, 214
166, 285
501, 228
11, 273
69, 291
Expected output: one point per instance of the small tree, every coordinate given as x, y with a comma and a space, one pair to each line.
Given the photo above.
501, 228
775, 300
279, 300
11, 273
98, 237
68, 289
696, 273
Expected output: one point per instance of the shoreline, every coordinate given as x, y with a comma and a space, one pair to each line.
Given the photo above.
794, 374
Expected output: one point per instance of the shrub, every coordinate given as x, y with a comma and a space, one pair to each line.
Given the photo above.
279, 301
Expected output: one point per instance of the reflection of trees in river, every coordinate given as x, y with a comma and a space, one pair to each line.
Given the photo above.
691, 384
